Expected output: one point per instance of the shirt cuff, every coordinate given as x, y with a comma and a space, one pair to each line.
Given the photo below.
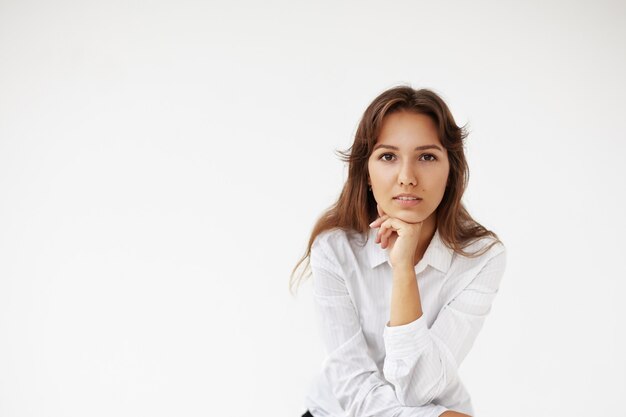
405, 340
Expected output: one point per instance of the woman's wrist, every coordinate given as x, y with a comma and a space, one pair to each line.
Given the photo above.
403, 272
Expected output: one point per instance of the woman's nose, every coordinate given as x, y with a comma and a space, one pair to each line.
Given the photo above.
407, 176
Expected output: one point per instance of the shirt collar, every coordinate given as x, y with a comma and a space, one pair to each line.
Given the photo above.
437, 255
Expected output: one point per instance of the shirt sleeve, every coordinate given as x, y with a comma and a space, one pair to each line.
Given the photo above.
421, 363
352, 374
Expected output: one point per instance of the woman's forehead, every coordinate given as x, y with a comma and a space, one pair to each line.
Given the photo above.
408, 129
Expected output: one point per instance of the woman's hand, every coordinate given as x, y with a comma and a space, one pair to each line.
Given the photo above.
400, 237
453, 414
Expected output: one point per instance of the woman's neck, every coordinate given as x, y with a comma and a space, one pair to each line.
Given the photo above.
426, 235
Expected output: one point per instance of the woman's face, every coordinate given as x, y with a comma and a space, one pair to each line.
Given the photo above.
408, 158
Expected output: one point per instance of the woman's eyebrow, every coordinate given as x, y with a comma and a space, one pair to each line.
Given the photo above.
419, 148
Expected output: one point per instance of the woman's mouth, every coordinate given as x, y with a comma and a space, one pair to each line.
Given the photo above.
407, 201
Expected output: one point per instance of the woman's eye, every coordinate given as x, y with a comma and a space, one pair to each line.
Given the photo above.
385, 155
429, 157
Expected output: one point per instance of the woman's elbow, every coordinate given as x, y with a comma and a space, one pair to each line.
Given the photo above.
417, 393
414, 397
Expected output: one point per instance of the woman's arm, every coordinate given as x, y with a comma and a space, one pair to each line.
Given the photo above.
421, 363
453, 414
406, 305
353, 376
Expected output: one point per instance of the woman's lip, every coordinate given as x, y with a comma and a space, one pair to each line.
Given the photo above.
407, 203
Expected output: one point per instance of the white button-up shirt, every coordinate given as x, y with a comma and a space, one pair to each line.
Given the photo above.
372, 369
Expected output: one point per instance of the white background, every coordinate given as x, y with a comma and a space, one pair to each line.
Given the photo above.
162, 165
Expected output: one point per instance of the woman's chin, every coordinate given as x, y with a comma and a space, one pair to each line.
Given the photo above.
407, 216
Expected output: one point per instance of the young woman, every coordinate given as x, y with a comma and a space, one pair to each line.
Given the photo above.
403, 277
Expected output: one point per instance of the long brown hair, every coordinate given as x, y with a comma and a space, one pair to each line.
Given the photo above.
356, 207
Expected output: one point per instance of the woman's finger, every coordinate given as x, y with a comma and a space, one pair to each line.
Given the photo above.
383, 241
381, 231
389, 223
391, 239
385, 223
378, 221
385, 232
387, 236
